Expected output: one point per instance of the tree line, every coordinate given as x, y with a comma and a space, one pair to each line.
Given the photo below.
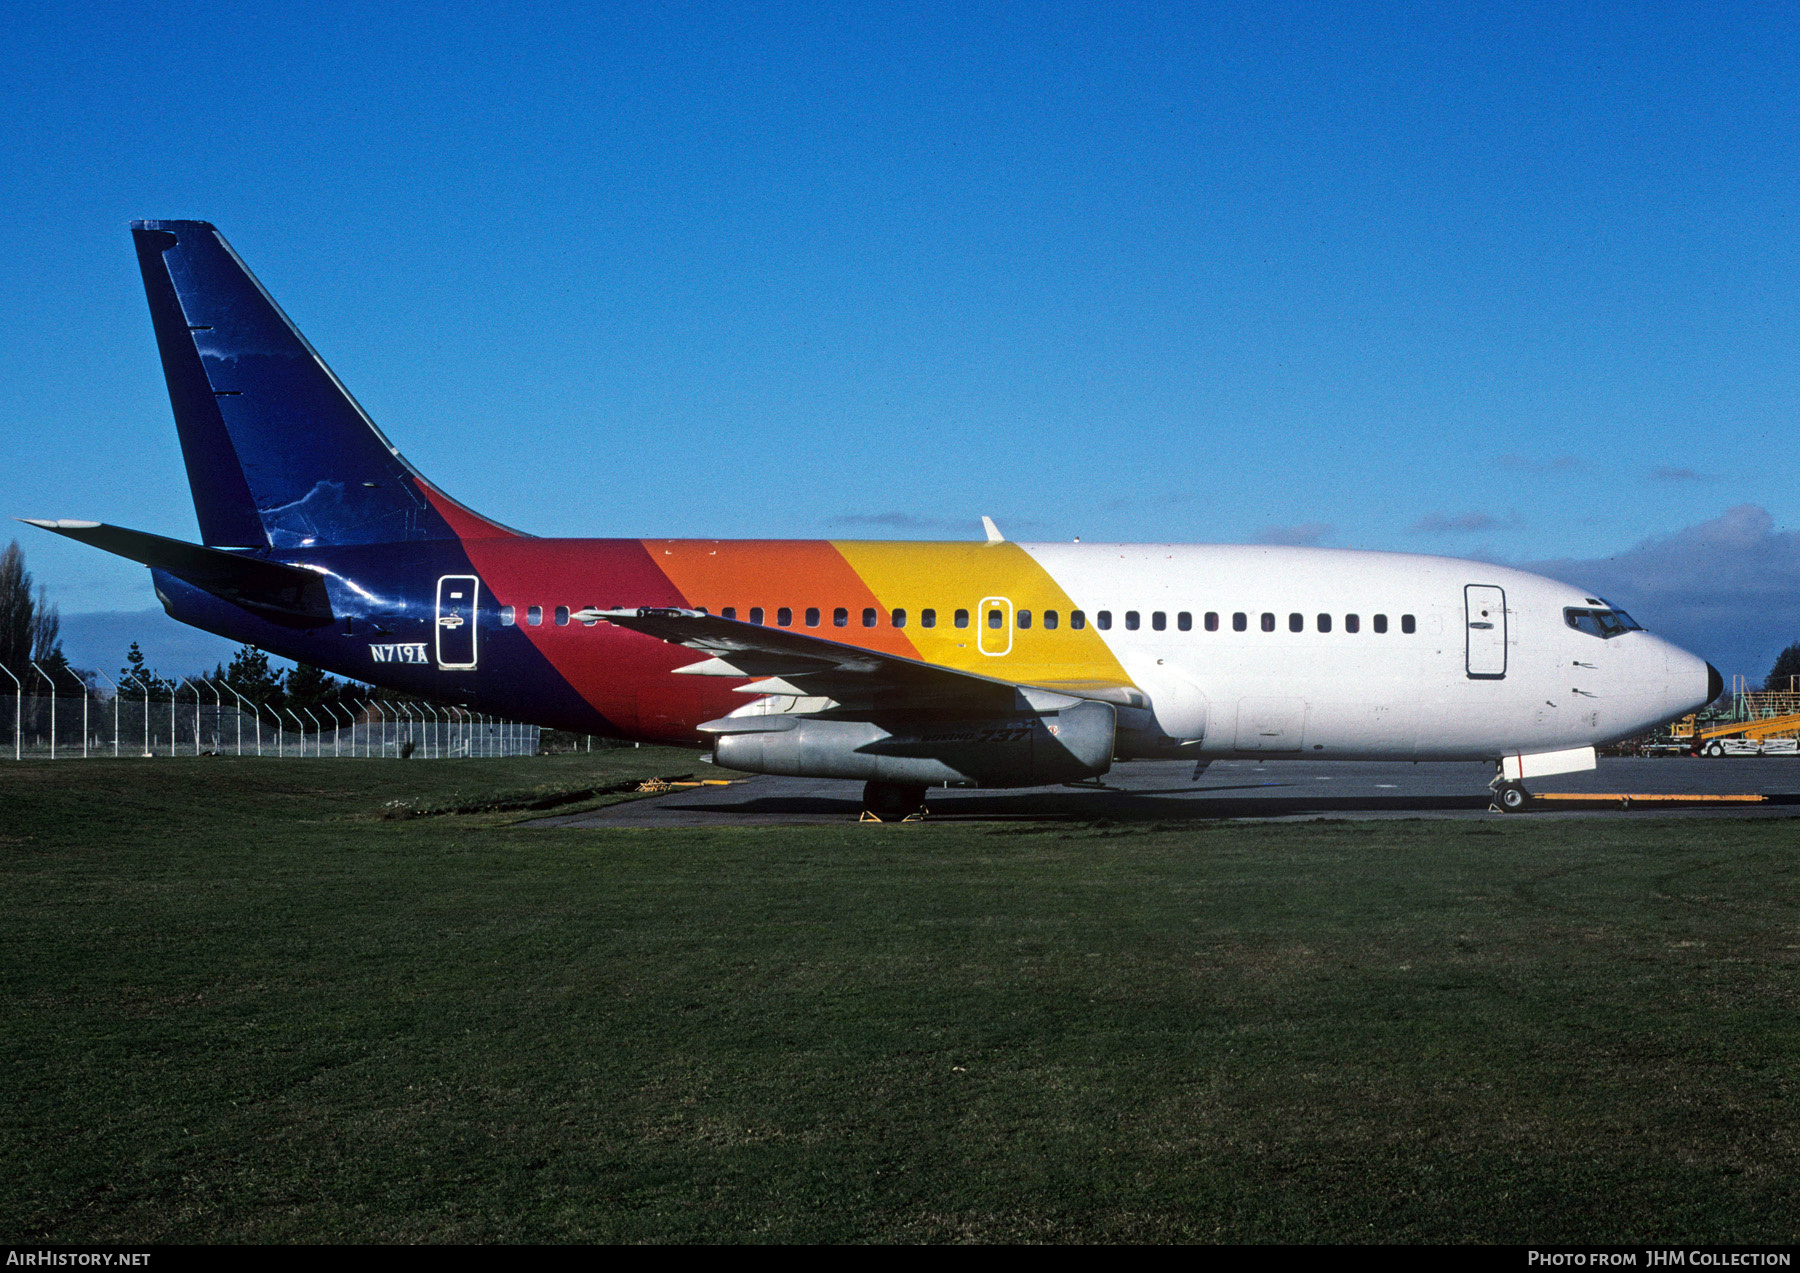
30, 627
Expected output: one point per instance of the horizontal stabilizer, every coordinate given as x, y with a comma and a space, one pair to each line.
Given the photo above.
280, 593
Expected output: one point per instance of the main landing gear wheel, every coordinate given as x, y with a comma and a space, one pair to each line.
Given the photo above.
893, 801
1512, 797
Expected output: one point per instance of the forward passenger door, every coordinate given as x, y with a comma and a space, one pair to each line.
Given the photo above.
1485, 614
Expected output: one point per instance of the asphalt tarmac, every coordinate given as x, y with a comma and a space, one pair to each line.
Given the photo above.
1276, 789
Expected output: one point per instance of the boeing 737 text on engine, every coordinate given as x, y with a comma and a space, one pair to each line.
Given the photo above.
898, 664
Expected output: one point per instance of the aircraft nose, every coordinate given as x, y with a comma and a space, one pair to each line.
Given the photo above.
1693, 682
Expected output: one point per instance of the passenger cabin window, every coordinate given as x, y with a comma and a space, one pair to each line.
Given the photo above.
928, 618
1131, 620
729, 612
812, 616
756, 615
868, 618
1023, 618
785, 617
1296, 623
840, 618
1352, 623
996, 618
1381, 623
1268, 622
1158, 620
1212, 620
1184, 621
900, 619
506, 616
1240, 621
1324, 623
961, 618
1050, 620
562, 616
1077, 619
1407, 624
534, 615
588, 623
1103, 620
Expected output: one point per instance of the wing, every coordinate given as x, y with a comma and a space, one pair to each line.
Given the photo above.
781, 661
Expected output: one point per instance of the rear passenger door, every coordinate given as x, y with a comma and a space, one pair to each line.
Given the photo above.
456, 610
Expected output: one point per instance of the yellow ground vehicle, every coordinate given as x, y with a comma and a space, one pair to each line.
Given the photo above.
1765, 723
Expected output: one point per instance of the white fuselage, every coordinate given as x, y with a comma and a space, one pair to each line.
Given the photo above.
1519, 680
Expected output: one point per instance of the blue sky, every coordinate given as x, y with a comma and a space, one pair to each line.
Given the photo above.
1516, 282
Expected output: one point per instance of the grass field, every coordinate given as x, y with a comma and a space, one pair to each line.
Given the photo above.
346, 1000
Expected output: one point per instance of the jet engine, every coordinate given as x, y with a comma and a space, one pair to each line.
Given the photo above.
1022, 750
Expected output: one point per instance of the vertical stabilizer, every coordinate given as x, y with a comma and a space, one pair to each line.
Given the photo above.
278, 453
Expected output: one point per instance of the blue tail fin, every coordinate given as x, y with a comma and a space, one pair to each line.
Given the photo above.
278, 453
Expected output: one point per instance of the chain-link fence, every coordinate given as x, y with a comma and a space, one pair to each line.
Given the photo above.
72, 726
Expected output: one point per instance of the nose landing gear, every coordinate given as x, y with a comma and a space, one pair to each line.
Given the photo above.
1509, 796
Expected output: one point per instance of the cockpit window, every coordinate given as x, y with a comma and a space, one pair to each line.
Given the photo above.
1601, 623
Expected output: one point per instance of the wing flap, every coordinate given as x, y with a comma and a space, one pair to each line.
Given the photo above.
788, 662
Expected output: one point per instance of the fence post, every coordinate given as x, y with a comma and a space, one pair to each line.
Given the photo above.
242, 703
115, 689
52, 684
219, 717
84, 709
145, 686
18, 714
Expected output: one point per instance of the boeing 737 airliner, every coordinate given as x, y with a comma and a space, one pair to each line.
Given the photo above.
900, 664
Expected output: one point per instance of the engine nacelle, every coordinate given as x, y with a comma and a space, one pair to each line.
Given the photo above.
1023, 750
